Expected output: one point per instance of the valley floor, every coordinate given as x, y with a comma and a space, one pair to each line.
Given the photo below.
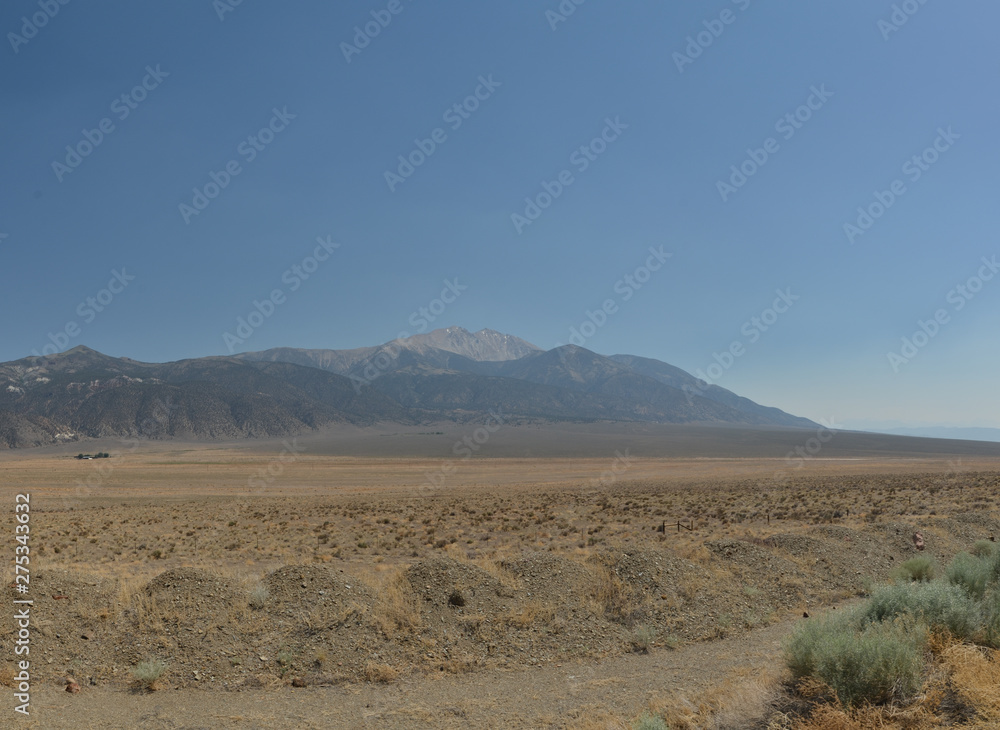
501, 593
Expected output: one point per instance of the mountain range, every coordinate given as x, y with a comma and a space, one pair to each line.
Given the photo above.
447, 375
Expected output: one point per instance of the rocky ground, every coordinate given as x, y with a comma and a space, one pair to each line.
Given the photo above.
321, 624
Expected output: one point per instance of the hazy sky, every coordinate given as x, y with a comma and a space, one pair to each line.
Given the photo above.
174, 162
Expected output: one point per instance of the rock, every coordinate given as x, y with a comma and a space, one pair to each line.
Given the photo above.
298, 682
72, 687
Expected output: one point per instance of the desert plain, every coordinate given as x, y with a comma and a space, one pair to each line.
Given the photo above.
558, 578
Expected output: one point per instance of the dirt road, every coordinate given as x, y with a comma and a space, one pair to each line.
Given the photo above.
542, 697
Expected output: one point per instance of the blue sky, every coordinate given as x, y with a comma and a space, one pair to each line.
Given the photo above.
645, 111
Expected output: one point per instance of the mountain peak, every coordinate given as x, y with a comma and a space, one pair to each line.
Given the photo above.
484, 345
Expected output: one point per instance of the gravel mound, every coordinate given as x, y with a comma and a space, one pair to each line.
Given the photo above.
313, 586
779, 580
444, 582
551, 577
189, 586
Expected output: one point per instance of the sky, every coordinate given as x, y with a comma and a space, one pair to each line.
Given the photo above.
797, 201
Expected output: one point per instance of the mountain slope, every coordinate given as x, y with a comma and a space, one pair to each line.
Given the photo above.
84, 394
577, 368
677, 378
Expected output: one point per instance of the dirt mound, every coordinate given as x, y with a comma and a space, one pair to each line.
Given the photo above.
897, 537
312, 585
550, 577
798, 546
444, 582
968, 527
762, 570
979, 520
681, 599
753, 563
189, 585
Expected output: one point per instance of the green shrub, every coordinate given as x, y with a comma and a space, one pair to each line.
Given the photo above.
643, 637
920, 568
807, 643
938, 604
258, 596
880, 663
993, 566
650, 722
146, 673
971, 573
991, 620
983, 549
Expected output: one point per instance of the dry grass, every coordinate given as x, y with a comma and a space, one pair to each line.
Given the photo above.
975, 672
395, 611
738, 703
612, 596
534, 613
380, 673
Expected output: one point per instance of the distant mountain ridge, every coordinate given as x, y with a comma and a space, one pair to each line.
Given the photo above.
627, 378
448, 374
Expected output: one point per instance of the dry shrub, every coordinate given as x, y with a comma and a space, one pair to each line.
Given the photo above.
975, 673
147, 674
493, 566
132, 601
613, 596
533, 613
380, 673
395, 610
830, 717
741, 701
